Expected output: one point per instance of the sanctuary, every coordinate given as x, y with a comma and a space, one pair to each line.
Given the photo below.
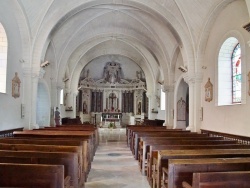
112, 98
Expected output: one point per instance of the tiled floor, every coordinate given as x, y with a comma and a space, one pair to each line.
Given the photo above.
113, 165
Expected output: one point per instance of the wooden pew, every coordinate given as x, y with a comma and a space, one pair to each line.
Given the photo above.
153, 153
146, 141
31, 175
220, 179
58, 134
75, 128
48, 148
176, 141
69, 160
73, 135
134, 134
165, 155
130, 130
136, 138
180, 171
49, 142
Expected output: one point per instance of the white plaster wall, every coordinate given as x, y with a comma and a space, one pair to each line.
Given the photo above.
43, 106
10, 108
231, 119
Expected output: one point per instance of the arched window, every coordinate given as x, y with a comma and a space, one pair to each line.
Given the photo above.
3, 59
61, 97
236, 74
229, 73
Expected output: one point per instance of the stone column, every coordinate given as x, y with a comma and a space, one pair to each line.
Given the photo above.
74, 103
169, 105
26, 96
149, 95
34, 84
194, 83
191, 82
197, 91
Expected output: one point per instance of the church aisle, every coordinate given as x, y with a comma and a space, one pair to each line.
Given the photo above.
114, 165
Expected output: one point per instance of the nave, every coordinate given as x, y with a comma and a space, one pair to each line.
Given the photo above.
113, 165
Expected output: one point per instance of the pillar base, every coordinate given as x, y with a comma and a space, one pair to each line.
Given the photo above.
190, 128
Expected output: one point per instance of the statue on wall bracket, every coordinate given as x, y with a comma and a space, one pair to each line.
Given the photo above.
16, 86
208, 91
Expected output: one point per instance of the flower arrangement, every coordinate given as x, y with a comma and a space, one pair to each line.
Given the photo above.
111, 126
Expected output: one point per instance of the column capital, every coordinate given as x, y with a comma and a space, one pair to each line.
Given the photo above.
167, 88
193, 78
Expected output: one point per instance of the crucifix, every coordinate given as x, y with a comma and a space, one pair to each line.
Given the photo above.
112, 97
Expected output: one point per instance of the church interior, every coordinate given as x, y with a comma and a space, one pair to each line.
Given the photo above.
122, 79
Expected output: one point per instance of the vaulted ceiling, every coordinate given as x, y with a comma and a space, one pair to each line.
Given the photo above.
152, 33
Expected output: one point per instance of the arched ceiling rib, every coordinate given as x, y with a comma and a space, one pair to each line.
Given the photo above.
152, 29
155, 38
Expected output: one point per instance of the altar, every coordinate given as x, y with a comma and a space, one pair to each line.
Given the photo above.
111, 117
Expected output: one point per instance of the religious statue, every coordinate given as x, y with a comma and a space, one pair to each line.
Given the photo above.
208, 91
84, 108
139, 108
16, 86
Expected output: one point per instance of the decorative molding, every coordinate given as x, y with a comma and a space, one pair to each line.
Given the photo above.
113, 79
167, 88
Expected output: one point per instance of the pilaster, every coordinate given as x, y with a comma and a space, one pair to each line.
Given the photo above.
169, 105
194, 82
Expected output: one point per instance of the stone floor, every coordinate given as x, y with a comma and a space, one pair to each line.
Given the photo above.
113, 165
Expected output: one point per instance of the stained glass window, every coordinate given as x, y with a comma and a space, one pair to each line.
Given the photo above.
236, 74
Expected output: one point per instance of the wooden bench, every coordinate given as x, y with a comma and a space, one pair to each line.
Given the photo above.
180, 171
75, 128
130, 130
152, 131
31, 175
72, 135
50, 142
165, 155
184, 141
153, 153
48, 148
69, 160
219, 179
58, 134
176, 141
136, 139
146, 141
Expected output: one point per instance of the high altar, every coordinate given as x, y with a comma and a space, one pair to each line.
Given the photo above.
111, 99
114, 118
